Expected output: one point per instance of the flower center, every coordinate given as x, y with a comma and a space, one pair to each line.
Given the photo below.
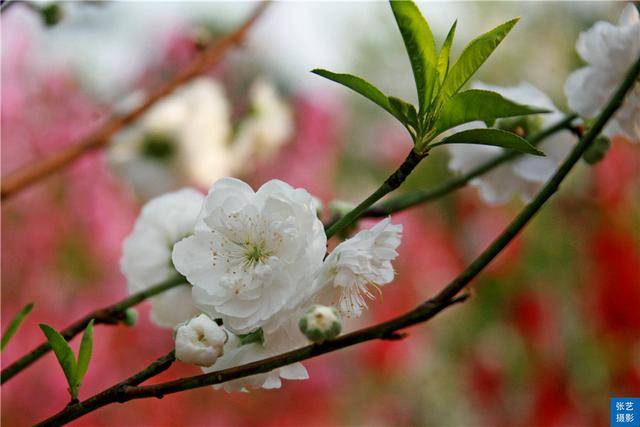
255, 253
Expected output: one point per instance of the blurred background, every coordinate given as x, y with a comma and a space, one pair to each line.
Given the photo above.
553, 327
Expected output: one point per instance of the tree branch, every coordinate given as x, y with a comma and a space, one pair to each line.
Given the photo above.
391, 183
17, 181
414, 198
110, 315
420, 314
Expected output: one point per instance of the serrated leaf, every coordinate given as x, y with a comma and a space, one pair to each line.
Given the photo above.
484, 105
472, 57
84, 352
496, 137
445, 53
421, 48
360, 86
15, 324
64, 354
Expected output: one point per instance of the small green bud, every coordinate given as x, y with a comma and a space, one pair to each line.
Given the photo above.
320, 323
597, 150
130, 317
51, 14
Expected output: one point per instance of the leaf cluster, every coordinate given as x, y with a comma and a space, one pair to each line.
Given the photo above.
441, 103
74, 369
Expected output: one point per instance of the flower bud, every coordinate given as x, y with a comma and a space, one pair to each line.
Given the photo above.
130, 317
51, 14
200, 341
321, 323
597, 150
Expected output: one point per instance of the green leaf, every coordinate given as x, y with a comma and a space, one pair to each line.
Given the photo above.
472, 57
404, 110
445, 53
474, 104
421, 48
15, 324
497, 137
255, 336
64, 354
359, 85
84, 353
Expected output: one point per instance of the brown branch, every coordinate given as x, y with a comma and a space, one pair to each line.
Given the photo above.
21, 179
125, 391
110, 315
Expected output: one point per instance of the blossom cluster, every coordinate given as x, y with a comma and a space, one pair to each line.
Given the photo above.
255, 262
609, 51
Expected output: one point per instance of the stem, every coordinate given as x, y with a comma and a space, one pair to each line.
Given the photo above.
110, 315
408, 200
393, 182
18, 180
385, 330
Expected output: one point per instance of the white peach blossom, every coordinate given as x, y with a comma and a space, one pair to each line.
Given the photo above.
357, 265
609, 51
146, 253
253, 255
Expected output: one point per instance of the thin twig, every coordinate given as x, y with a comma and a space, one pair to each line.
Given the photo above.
17, 181
413, 198
394, 181
420, 314
110, 315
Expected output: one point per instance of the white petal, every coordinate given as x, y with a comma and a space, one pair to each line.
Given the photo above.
295, 371
173, 307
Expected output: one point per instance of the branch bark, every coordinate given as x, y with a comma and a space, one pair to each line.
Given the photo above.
394, 181
420, 314
21, 179
110, 315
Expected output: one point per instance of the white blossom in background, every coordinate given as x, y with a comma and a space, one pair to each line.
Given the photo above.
357, 265
146, 253
526, 175
187, 138
183, 138
200, 341
253, 254
268, 126
286, 338
609, 50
